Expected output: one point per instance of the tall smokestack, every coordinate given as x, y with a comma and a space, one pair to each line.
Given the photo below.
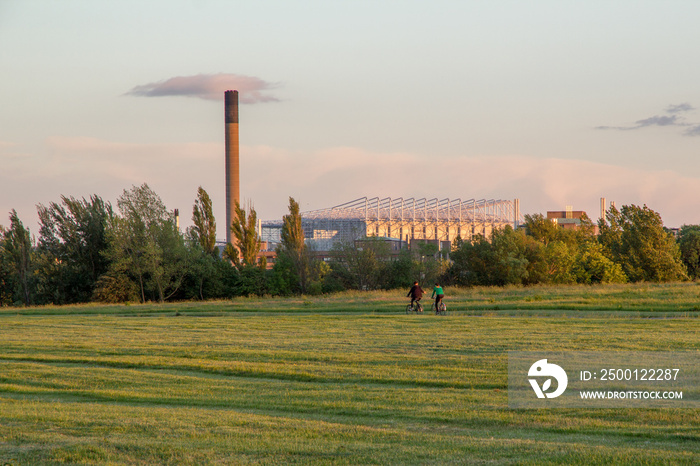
603, 208
233, 189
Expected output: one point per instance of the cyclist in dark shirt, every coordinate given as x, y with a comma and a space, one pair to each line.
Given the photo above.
416, 293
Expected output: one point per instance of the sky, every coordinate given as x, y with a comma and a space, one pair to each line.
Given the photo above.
555, 103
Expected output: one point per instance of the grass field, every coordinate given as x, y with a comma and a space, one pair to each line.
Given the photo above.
346, 379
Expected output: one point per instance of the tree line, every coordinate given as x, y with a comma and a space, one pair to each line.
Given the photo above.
89, 251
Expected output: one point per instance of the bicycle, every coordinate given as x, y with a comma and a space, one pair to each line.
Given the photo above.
415, 307
441, 310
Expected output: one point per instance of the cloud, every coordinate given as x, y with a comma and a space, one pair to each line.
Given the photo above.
657, 120
685, 107
82, 166
327, 177
208, 87
124, 163
333, 176
672, 118
10, 151
693, 131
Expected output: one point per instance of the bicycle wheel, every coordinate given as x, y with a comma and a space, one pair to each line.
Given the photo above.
419, 308
443, 309
409, 309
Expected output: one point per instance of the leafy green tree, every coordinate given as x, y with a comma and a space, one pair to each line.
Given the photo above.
402, 271
282, 279
592, 266
689, 243
5, 274
204, 229
209, 278
549, 263
471, 262
429, 265
145, 244
510, 265
202, 269
540, 253
337, 279
361, 264
559, 258
634, 237
116, 286
17, 261
70, 251
545, 231
320, 271
502, 261
541, 229
225, 281
252, 280
168, 275
133, 249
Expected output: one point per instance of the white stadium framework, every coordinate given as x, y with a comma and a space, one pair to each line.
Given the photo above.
400, 219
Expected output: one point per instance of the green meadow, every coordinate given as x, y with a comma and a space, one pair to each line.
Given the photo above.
342, 379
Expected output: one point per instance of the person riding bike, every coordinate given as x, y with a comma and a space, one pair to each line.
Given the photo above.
416, 293
438, 294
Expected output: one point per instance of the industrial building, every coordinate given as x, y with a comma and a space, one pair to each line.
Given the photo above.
570, 219
406, 220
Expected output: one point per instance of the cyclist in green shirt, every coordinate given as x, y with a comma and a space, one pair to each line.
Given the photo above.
438, 294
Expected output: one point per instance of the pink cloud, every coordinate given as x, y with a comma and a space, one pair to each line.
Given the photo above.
327, 177
208, 87
333, 176
84, 166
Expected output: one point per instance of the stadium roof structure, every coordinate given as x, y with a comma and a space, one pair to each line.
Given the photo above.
404, 219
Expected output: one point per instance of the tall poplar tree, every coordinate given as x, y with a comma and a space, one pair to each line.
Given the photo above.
292, 253
247, 242
204, 228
